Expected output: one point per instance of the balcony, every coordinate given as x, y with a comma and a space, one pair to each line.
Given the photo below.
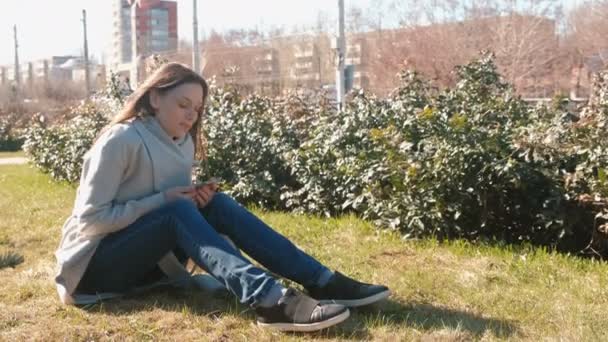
304, 53
353, 60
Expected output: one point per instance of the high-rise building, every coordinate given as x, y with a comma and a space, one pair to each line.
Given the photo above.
156, 29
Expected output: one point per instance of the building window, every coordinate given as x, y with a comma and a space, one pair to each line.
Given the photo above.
161, 15
160, 33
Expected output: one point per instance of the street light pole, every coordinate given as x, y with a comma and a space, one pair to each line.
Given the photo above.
17, 71
87, 77
196, 53
340, 46
134, 50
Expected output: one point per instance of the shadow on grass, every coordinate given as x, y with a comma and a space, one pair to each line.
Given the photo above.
170, 299
429, 317
10, 259
420, 316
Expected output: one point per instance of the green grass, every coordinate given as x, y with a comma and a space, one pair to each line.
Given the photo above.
12, 154
451, 291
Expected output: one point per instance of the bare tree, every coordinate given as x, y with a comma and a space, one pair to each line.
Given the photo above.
435, 36
587, 44
355, 20
588, 26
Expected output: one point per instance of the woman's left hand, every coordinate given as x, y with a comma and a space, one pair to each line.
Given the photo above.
204, 194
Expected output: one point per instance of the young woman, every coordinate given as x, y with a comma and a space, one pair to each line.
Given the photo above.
137, 217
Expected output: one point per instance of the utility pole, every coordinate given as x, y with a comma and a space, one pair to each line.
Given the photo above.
341, 47
196, 53
17, 85
45, 71
87, 79
134, 52
17, 72
30, 77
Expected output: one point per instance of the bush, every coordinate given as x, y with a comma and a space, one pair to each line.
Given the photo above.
473, 161
574, 150
59, 149
458, 163
245, 141
10, 139
433, 163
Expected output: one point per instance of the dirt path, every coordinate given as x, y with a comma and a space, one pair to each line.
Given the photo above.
13, 161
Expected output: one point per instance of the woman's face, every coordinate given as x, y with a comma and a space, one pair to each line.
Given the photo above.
178, 108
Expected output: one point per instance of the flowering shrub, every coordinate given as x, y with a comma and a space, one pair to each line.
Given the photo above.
472, 161
10, 139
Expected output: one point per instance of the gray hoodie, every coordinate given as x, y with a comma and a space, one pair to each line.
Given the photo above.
123, 177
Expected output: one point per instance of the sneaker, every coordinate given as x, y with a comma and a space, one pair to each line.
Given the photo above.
341, 289
297, 312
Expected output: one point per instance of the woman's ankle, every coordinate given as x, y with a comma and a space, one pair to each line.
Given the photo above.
324, 278
272, 296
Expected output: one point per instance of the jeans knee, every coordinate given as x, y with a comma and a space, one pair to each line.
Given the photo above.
179, 214
181, 206
222, 201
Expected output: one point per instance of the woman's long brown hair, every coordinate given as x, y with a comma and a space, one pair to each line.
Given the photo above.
165, 78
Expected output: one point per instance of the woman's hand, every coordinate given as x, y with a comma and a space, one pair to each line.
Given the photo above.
186, 192
204, 193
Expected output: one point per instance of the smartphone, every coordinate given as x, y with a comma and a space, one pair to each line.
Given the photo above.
211, 180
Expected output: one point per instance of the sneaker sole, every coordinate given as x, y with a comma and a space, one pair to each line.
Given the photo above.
300, 327
353, 303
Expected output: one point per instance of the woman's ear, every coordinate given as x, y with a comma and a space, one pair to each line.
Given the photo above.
154, 99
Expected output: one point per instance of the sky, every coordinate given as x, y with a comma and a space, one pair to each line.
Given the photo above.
54, 27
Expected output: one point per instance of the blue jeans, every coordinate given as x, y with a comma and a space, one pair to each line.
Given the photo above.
126, 258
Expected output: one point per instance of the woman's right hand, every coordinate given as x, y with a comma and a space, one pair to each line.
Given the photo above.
185, 192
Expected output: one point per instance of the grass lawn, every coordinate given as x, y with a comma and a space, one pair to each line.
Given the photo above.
441, 291
12, 154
